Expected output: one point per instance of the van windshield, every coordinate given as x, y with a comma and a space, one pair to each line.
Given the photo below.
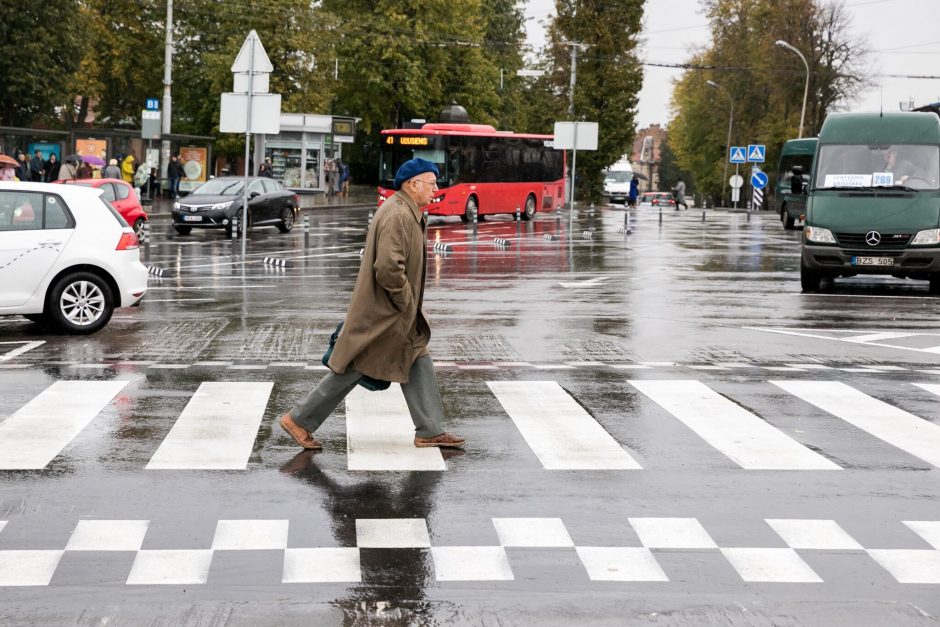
908, 166
618, 176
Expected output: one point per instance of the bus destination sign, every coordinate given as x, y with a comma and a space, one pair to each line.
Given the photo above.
406, 140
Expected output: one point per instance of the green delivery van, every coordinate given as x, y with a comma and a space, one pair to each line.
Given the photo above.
874, 199
793, 169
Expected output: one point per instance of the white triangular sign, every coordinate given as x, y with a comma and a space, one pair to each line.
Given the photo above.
246, 62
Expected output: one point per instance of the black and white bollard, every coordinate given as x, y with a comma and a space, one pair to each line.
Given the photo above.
306, 231
371, 214
627, 224
703, 215
660, 216
146, 236
518, 213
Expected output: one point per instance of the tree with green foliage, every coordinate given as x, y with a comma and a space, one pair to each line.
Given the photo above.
41, 48
609, 77
765, 81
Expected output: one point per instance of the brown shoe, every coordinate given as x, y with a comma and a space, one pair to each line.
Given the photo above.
300, 435
444, 440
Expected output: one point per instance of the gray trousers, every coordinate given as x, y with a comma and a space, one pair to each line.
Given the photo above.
421, 393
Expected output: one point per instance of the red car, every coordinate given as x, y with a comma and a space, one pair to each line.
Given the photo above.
122, 197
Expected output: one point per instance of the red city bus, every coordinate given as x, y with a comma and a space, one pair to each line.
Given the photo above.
483, 171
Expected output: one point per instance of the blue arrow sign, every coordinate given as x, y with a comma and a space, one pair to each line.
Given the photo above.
756, 152
759, 179
737, 155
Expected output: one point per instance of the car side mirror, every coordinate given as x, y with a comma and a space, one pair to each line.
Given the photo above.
796, 181
253, 194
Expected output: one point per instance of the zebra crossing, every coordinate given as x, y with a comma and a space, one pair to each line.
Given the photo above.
219, 427
802, 540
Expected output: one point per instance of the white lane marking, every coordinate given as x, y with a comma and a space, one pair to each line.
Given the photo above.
745, 438
532, 532
909, 565
16, 352
380, 433
877, 337
770, 565
886, 422
250, 535
813, 534
108, 535
170, 567
39, 431
929, 530
672, 533
179, 300
814, 335
471, 563
217, 428
587, 283
321, 565
392, 533
605, 563
28, 568
558, 430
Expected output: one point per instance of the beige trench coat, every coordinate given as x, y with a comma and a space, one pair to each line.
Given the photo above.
385, 330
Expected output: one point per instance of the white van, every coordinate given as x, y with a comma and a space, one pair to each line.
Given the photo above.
617, 182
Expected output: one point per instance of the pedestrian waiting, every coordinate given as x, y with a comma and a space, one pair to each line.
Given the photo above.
111, 171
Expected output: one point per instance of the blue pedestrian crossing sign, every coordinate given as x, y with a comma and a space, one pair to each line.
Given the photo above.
756, 152
737, 155
758, 179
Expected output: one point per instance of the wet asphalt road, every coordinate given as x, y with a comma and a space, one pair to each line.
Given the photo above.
733, 411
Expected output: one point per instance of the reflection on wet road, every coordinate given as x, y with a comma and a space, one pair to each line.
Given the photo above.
658, 423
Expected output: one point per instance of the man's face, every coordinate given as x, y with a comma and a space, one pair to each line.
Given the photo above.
422, 188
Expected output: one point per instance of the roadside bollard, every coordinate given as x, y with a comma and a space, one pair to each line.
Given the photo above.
474, 225
306, 231
660, 216
425, 217
749, 215
146, 235
372, 213
518, 213
592, 208
703, 215
627, 223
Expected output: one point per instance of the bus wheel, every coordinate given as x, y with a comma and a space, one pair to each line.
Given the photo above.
471, 210
529, 208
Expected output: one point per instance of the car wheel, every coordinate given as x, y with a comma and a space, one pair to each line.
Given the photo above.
935, 284
183, 230
809, 280
80, 303
786, 219
139, 228
529, 212
471, 211
287, 220
37, 318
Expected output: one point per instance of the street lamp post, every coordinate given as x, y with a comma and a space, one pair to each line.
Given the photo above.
792, 48
728, 143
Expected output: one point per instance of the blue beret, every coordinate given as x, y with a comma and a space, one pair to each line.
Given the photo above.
411, 169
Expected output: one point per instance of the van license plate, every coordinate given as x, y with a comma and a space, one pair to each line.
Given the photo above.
192, 218
873, 261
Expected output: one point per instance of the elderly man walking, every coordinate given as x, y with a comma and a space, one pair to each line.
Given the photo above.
385, 335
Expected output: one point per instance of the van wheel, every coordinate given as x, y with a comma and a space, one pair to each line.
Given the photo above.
809, 280
80, 303
529, 212
786, 219
935, 285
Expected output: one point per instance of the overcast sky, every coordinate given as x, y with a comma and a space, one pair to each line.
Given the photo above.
902, 33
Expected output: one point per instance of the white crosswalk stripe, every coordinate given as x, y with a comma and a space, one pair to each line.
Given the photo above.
34, 435
745, 438
558, 430
217, 429
886, 422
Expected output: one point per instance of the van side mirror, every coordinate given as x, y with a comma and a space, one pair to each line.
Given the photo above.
796, 181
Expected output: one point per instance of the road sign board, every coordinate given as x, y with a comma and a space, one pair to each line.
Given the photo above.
150, 126
252, 57
756, 153
153, 104
736, 181
566, 132
737, 155
759, 179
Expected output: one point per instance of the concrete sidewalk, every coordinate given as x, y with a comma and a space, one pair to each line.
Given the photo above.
359, 196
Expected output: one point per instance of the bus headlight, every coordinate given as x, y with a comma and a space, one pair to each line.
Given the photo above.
819, 235
440, 198
926, 238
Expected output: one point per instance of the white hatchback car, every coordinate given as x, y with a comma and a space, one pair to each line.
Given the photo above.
67, 257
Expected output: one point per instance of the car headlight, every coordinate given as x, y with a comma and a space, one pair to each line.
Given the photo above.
926, 238
176, 206
221, 206
819, 235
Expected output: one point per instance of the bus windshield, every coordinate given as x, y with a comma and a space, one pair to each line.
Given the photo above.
397, 149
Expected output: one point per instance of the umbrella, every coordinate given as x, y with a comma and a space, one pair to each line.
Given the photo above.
93, 160
72, 158
641, 176
8, 162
